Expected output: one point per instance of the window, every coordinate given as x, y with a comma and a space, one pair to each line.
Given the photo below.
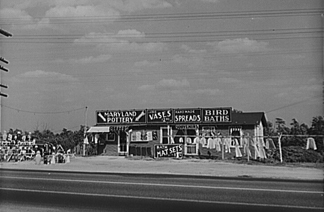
236, 132
166, 135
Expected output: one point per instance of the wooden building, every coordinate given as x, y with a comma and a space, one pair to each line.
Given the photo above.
171, 132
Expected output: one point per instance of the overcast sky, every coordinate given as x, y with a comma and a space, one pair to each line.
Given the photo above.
252, 55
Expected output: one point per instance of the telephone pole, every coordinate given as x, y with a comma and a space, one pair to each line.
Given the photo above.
2, 68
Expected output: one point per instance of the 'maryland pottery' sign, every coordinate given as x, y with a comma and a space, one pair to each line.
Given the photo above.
121, 117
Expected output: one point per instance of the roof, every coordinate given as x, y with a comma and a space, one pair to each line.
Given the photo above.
249, 118
98, 129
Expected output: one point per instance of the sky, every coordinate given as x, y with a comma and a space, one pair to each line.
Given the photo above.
71, 58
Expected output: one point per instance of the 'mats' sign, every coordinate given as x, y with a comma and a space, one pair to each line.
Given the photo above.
168, 150
214, 115
121, 116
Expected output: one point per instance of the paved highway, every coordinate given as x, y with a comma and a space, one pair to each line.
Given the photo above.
64, 191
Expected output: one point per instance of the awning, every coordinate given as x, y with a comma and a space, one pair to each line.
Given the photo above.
98, 129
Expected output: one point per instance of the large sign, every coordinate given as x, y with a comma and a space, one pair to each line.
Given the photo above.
159, 116
187, 115
215, 115
121, 116
168, 150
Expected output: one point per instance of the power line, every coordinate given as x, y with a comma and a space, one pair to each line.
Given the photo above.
179, 16
295, 103
36, 112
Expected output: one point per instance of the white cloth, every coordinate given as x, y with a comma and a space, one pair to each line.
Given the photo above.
218, 143
311, 144
227, 142
203, 142
237, 148
260, 144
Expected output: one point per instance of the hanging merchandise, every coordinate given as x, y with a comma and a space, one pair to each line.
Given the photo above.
269, 144
311, 144
238, 153
256, 150
261, 145
246, 149
227, 143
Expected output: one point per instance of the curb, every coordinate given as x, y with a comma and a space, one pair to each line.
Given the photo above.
174, 175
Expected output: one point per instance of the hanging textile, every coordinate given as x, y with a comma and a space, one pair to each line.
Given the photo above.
261, 145
227, 142
238, 153
311, 144
255, 147
218, 143
269, 144
246, 149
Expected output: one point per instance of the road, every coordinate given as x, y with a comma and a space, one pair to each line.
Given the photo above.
65, 191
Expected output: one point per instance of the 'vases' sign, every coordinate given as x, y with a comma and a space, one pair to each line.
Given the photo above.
121, 116
159, 116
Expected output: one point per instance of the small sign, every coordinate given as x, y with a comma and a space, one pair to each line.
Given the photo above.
187, 115
215, 115
159, 116
168, 150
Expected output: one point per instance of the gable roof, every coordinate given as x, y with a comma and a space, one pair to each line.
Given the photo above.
249, 118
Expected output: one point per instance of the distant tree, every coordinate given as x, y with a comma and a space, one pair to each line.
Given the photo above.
317, 128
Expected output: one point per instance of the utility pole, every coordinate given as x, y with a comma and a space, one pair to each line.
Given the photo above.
2, 68
85, 130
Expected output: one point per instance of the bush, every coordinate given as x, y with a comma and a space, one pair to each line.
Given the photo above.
299, 154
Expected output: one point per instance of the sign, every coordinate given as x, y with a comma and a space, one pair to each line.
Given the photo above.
168, 150
215, 115
143, 135
159, 116
188, 127
187, 115
121, 116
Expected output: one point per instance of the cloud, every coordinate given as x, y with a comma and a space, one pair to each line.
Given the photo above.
166, 84
210, 1
130, 33
119, 41
209, 92
192, 51
145, 63
136, 5
228, 80
240, 45
81, 11
45, 76
43, 90
99, 59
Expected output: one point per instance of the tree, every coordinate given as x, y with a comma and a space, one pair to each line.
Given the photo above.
317, 128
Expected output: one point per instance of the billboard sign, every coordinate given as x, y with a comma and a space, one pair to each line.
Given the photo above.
187, 115
159, 116
121, 116
216, 115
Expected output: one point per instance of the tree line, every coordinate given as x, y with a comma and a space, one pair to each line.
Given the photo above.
68, 139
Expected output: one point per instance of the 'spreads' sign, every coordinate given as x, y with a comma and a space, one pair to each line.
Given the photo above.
121, 116
159, 116
187, 115
168, 150
214, 115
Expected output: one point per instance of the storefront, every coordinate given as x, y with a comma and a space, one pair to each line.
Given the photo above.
172, 132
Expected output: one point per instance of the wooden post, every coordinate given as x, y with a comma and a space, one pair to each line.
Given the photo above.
280, 151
